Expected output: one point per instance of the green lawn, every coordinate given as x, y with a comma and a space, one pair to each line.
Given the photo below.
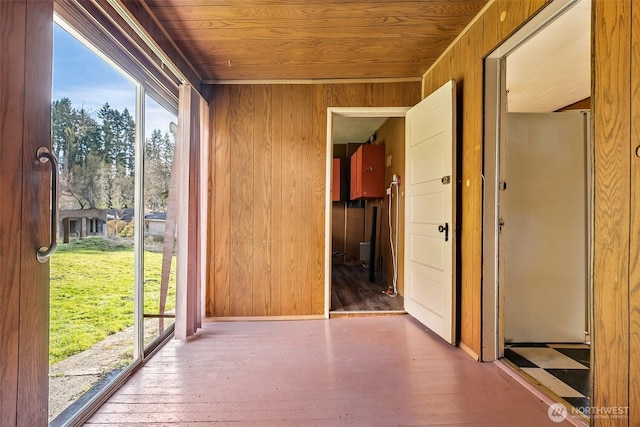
92, 293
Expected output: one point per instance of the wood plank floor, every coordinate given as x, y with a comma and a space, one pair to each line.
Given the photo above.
366, 371
352, 291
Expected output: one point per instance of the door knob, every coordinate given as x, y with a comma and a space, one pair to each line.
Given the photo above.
444, 229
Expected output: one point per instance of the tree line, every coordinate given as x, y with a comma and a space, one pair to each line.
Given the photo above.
96, 156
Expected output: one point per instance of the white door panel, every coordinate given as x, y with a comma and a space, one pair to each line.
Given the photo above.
544, 256
427, 167
427, 251
430, 290
430, 204
434, 114
420, 212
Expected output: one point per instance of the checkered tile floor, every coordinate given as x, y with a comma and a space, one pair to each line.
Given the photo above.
562, 368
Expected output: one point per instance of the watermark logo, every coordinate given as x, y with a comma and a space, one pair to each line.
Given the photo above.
557, 412
608, 412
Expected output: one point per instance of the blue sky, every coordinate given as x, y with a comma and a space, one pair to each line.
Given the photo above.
89, 82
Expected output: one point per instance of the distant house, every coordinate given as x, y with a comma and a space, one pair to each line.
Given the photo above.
125, 214
154, 223
82, 223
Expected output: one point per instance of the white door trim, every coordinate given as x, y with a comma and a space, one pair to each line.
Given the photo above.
344, 112
492, 338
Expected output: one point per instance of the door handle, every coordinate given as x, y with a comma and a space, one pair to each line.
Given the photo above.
444, 229
44, 156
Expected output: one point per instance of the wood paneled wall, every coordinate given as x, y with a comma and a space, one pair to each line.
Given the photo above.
463, 62
584, 104
616, 136
267, 192
634, 274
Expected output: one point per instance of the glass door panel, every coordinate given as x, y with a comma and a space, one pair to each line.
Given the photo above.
92, 273
159, 221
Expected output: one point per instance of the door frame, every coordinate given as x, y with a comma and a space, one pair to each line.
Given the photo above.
492, 337
343, 112
28, 210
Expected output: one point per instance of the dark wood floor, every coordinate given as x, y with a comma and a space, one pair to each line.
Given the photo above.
365, 371
352, 291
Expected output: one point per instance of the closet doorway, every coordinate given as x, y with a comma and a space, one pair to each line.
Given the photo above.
538, 204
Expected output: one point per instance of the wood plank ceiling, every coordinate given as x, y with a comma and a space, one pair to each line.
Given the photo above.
312, 39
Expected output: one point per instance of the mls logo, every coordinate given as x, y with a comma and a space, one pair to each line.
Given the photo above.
557, 412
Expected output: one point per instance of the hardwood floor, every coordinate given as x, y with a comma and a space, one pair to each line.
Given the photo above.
364, 371
352, 291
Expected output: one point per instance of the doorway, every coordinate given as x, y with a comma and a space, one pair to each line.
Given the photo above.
360, 232
538, 205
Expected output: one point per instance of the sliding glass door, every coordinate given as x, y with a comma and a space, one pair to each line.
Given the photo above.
113, 277
92, 272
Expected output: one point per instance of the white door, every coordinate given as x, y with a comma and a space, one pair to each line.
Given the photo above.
544, 239
430, 205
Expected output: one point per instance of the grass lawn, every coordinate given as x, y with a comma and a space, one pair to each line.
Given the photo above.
92, 293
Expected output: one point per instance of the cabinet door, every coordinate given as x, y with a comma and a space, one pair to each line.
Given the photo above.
367, 172
335, 190
372, 171
353, 185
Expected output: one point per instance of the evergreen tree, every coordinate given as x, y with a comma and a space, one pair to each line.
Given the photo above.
128, 146
118, 144
74, 138
62, 131
97, 158
158, 161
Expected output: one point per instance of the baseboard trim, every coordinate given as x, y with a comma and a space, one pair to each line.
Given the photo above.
262, 318
468, 350
362, 313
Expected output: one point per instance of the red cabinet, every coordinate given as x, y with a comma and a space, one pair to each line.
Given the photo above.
335, 189
367, 172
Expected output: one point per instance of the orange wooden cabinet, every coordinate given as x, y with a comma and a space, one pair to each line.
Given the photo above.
335, 189
367, 172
